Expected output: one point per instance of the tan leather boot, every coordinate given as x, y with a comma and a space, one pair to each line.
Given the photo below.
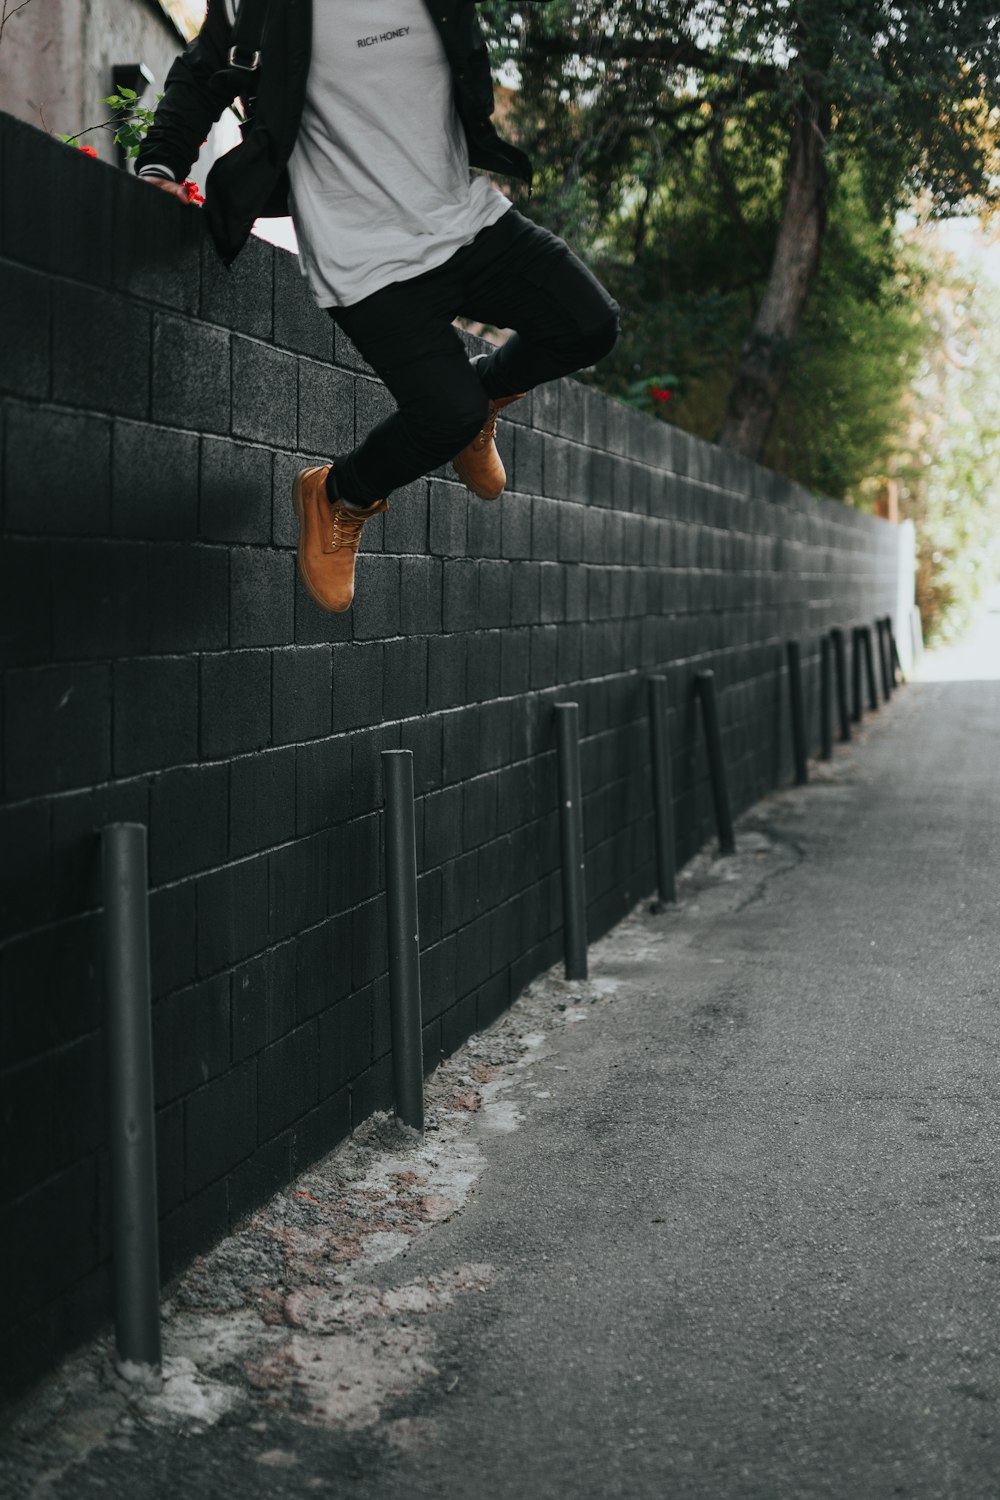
328, 539
479, 466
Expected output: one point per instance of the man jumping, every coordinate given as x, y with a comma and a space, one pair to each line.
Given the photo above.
366, 118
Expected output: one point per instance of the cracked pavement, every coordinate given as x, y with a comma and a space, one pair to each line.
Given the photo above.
718, 1222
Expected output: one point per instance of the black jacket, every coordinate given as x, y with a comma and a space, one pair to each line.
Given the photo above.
251, 180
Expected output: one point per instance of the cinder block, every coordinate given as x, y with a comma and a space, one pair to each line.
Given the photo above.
572, 396
232, 913
253, 1181
376, 607
528, 462
483, 666
555, 469
552, 592
429, 907
461, 594
66, 229
61, 963
315, 626
345, 1042
203, 1217
422, 736
172, 948
265, 393
191, 1038
420, 595
460, 730
404, 525
298, 323
289, 1079
368, 942
51, 1237
367, 791
191, 374
25, 884
235, 702
301, 686
404, 677
299, 880
57, 472
261, 800
263, 999
442, 838
235, 502
446, 663
371, 1091
515, 541
220, 1125
438, 988
100, 350
495, 733
571, 521
323, 771
514, 661
240, 295
157, 244
26, 318
544, 665
262, 597
494, 609
57, 729
154, 481
100, 599
479, 811
188, 822
524, 593
448, 520
156, 713
483, 527
25, 602
323, 967
326, 409
357, 685
188, 598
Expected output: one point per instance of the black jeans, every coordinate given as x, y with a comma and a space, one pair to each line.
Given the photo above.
514, 274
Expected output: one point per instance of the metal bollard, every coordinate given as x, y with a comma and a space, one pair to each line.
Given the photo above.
866, 638
574, 890
840, 665
404, 938
825, 690
856, 703
132, 1132
885, 660
798, 713
663, 803
895, 663
705, 685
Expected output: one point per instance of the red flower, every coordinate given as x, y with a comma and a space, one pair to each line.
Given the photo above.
87, 150
660, 393
194, 196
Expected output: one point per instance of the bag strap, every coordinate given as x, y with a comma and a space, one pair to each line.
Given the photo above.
246, 36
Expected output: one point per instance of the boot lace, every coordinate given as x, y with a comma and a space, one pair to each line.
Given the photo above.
488, 432
346, 528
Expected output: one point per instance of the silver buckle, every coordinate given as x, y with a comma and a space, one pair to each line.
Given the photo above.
250, 67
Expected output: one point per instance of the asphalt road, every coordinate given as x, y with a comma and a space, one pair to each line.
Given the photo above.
744, 1236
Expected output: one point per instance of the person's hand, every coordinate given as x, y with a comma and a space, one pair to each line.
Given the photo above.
177, 188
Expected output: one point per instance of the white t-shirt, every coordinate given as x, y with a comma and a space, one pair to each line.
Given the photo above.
379, 174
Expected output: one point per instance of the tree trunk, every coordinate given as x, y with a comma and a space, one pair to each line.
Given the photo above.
763, 364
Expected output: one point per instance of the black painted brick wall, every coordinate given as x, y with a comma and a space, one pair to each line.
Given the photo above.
162, 663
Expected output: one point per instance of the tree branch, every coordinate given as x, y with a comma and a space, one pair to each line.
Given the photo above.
674, 52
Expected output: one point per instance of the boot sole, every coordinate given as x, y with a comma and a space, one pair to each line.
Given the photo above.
297, 503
